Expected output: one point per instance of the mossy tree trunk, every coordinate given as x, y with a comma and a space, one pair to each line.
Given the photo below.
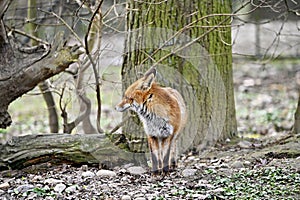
296, 128
78, 149
297, 115
189, 41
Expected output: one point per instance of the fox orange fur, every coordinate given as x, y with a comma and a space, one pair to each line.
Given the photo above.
163, 113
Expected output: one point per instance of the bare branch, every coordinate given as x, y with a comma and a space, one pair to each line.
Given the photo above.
66, 24
30, 36
4, 4
68, 127
98, 92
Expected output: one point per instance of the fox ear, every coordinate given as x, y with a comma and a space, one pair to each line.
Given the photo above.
149, 78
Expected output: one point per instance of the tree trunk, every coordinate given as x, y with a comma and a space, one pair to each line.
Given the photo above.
93, 149
193, 54
296, 128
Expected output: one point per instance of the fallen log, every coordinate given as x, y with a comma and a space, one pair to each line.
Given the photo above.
92, 149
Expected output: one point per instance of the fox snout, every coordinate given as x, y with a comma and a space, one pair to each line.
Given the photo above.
122, 108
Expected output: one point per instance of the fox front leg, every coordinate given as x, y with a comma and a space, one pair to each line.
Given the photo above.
155, 155
167, 154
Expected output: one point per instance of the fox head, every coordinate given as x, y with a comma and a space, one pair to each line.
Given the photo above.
138, 93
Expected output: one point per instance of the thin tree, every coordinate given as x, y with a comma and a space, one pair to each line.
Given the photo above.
44, 87
297, 117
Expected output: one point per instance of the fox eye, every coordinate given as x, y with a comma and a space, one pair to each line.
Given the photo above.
129, 98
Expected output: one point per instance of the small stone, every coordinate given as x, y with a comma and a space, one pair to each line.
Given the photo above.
151, 196
2, 191
247, 163
249, 82
71, 189
103, 172
24, 188
46, 188
136, 170
203, 184
139, 194
128, 165
125, 197
173, 191
32, 196
191, 158
200, 196
189, 172
49, 198
84, 167
88, 174
52, 181
237, 164
244, 144
60, 187
140, 198
122, 171
9, 191
37, 178
4, 185
217, 190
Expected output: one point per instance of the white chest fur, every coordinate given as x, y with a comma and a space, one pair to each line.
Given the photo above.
154, 125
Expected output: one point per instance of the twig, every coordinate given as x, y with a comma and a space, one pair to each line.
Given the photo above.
68, 127
29, 36
65, 23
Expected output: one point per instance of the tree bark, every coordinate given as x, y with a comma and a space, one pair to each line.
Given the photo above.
51, 106
92, 149
218, 44
193, 52
296, 129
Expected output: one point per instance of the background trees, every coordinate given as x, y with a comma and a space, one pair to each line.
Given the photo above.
270, 47
55, 31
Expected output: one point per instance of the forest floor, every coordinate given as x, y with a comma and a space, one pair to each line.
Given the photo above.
227, 172
263, 163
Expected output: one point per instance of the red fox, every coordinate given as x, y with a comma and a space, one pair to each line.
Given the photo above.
163, 113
